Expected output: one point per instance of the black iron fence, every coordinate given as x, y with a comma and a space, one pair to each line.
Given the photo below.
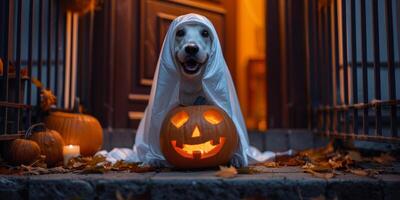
353, 52
32, 38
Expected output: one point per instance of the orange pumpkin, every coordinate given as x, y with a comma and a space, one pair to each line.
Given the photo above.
23, 151
198, 137
51, 145
77, 129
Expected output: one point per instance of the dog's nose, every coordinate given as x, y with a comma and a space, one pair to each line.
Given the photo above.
191, 49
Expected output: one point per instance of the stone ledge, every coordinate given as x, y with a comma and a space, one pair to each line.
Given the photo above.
282, 183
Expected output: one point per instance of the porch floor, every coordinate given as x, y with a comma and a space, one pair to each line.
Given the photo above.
279, 183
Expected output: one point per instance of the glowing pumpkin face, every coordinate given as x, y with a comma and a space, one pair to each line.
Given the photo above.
198, 137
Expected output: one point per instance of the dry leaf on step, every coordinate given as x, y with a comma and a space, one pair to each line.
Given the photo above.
227, 172
359, 172
384, 159
271, 164
328, 175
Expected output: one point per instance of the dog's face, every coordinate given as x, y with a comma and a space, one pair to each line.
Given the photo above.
192, 48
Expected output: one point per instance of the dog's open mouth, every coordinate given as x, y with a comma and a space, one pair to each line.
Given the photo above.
191, 66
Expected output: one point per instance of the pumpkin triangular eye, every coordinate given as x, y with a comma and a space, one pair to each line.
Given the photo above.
179, 119
212, 116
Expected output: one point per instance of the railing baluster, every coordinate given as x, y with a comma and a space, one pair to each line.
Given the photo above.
345, 65
39, 59
377, 74
18, 64
398, 31
364, 65
320, 62
354, 64
6, 60
64, 28
390, 65
327, 67
56, 65
30, 50
49, 27
337, 66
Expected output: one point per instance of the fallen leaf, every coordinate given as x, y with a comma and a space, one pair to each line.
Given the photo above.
328, 175
359, 172
247, 170
271, 164
227, 172
95, 170
385, 159
288, 161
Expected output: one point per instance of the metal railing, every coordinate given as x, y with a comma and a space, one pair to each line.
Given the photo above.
353, 52
32, 38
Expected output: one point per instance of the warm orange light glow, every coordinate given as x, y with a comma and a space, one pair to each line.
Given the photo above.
201, 151
196, 132
179, 119
213, 117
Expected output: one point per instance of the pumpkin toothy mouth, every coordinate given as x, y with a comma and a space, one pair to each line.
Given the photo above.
199, 151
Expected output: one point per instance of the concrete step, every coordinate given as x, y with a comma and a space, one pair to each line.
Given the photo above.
281, 183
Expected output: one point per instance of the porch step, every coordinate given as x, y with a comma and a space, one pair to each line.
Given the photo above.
282, 183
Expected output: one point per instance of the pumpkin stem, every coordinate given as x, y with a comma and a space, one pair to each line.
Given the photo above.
30, 129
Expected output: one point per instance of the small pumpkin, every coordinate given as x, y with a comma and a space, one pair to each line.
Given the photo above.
77, 129
51, 144
23, 151
198, 137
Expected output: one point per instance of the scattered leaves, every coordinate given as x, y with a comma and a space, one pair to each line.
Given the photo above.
131, 167
99, 164
227, 172
327, 162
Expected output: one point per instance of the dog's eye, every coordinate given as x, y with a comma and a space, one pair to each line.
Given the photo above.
180, 33
204, 33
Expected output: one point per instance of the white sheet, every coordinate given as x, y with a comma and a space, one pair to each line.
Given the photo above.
219, 90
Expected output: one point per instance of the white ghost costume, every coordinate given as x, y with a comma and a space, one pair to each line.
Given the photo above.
217, 86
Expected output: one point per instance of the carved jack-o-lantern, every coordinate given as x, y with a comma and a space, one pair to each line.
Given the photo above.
198, 137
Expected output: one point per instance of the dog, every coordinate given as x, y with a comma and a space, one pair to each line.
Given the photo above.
192, 49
